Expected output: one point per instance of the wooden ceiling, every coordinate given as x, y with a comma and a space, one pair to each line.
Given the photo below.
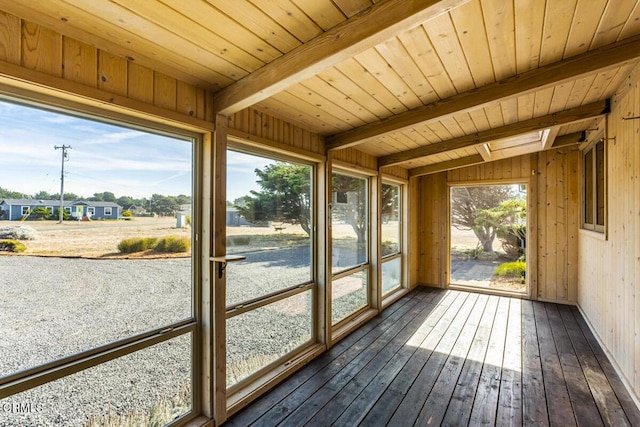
421, 84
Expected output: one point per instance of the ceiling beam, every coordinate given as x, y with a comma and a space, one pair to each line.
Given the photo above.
445, 166
484, 151
604, 57
556, 119
363, 31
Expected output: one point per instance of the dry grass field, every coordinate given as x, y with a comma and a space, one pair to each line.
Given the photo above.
94, 238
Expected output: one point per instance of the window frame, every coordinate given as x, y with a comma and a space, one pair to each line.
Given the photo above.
591, 178
68, 365
91, 210
25, 210
400, 254
108, 211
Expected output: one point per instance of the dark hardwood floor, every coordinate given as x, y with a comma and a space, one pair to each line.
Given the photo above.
454, 358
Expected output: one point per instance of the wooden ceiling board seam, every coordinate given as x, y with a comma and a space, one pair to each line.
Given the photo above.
316, 100
277, 108
612, 23
290, 17
583, 31
560, 96
529, 22
620, 79
600, 88
452, 126
388, 77
556, 30
325, 14
427, 134
446, 44
397, 56
233, 30
352, 90
479, 118
526, 106
426, 59
62, 19
494, 115
469, 24
175, 22
440, 131
499, 21
466, 123
632, 26
542, 105
330, 93
128, 21
296, 103
367, 82
413, 138
509, 108
579, 92
257, 22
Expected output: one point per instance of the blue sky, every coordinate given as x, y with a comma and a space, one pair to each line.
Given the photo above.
103, 157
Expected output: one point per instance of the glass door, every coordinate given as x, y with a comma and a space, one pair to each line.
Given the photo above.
269, 295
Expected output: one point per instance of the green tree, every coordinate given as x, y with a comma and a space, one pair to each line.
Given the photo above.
285, 196
471, 209
7, 194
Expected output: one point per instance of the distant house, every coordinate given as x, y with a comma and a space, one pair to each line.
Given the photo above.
16, 209
234, 219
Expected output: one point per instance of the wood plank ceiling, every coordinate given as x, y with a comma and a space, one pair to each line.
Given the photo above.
389, 77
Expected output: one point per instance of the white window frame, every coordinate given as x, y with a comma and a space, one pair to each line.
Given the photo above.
108, 211
25, 210
91, 210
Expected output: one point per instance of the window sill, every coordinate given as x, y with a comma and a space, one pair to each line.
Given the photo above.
594, 234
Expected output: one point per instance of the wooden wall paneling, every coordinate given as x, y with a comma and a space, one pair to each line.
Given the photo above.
41, 49
79, 62
551, 225
201, 102
164, 91
533, 196
112, 73
416, 230
186, 99
561, 227
572, 186
10, 31
140, 83
542, 222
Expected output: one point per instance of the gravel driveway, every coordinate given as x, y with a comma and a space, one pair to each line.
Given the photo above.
53, 307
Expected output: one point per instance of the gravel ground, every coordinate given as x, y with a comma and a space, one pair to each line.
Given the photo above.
53, 307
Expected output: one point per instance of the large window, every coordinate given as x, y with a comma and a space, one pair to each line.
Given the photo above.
349, 245
103, 326
594, 187
269, 295
391, 238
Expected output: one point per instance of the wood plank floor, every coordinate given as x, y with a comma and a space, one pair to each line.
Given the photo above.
455, 358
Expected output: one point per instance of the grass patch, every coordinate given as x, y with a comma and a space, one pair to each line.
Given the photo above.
511, 269
173, 245
268, 240
137, 244
10, 245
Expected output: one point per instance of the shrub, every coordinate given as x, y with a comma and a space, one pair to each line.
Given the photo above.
511, 269
238, 240
128, 246
187, 220
11, 246
39, 213
127, 214
17, 232
56, 215
173, 245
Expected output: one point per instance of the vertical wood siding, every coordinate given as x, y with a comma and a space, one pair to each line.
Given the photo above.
553, 212
609, 270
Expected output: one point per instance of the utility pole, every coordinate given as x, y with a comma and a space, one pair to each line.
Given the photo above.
65, 157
